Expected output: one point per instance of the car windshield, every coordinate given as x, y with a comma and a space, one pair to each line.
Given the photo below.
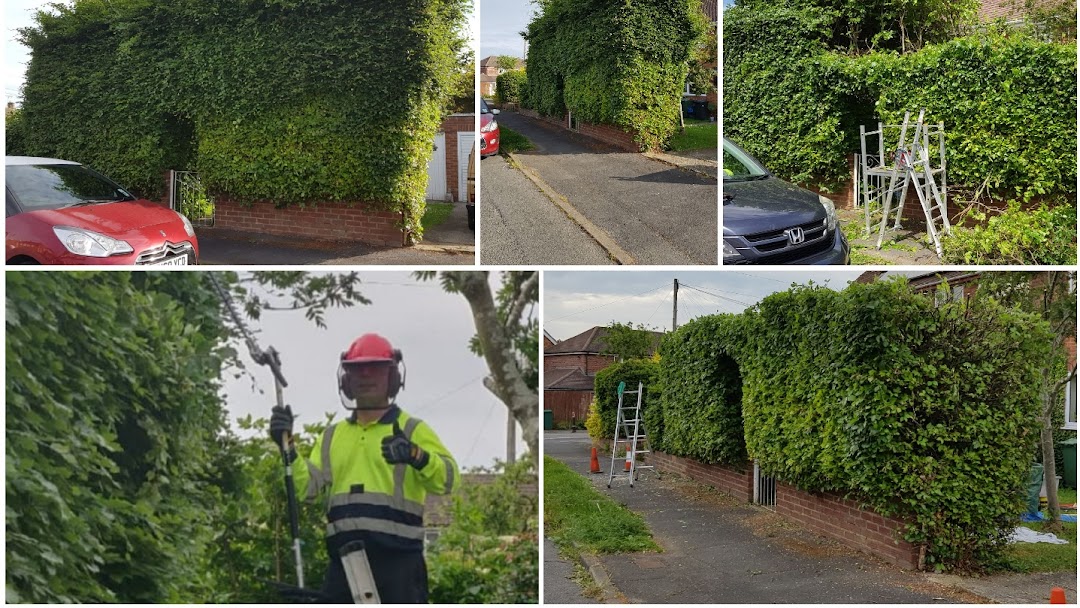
55, 186
484, 107
740, 166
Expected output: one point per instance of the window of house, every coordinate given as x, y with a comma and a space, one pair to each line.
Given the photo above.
1070, 405
953, 294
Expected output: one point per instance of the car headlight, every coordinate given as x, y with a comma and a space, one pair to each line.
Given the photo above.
830, 211
187, 225
730, 253
90, 244
491, 126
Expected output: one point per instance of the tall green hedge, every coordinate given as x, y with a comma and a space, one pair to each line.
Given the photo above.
922, 412
1008, 102
623, 63
289, 101
509, 86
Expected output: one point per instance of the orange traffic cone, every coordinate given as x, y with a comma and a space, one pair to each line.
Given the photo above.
594, 464
1057, 596
629, 455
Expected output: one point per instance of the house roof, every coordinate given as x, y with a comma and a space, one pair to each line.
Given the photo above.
572, 379
710, 8
996, 9
920, 280
437, 508
487, 78
591, 341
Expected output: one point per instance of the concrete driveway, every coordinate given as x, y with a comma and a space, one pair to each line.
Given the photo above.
650, 212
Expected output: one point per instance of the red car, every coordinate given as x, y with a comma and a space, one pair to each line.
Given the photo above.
62, 212
489, 131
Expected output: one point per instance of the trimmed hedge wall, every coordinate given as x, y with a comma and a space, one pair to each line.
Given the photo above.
1008, 103
622, 63
926, 413
509, 86
321, 100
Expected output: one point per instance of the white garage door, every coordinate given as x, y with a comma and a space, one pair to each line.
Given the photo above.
465, 141
436, 170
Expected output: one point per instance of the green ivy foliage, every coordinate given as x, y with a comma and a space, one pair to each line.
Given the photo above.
1007, 102
926, 413
295, 102
1040, 236
112, 408
606, 391
622, 63
702, 404
509, 86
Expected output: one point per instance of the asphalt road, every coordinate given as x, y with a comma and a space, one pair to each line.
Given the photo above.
520, 225
559, 584
657, 213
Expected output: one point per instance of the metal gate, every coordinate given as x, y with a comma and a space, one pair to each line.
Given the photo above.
189, 197
764, 488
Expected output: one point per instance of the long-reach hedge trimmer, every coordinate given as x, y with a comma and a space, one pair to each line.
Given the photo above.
270, 358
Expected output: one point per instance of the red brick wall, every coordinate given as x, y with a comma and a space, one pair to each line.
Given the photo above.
728, 480
330, 221
452, 125
843, 520
609, 134
829, 515
568, 404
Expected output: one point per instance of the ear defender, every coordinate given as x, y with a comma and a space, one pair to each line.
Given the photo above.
342, 385
396, 381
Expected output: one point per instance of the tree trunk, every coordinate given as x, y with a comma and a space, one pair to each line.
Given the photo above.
506, 380
1048, 395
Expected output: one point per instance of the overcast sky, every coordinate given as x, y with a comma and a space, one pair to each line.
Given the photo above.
575, 301
501, 24
444, 381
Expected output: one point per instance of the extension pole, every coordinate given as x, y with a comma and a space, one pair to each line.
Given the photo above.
271, 359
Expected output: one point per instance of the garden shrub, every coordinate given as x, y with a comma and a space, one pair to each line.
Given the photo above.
1040, 236
509, 86
922, 412
1008, 103
701, 412
286, 101
606, 391
622, 63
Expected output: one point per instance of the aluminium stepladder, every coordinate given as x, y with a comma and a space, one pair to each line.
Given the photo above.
910, 165
630, 422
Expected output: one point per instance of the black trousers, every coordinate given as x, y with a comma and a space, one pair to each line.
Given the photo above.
400, 577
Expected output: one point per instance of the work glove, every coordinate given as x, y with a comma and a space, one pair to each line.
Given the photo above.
397, 449
281, 419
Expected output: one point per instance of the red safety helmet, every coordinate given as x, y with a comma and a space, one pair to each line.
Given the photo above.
370, 349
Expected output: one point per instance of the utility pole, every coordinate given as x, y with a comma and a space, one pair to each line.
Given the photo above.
675, 308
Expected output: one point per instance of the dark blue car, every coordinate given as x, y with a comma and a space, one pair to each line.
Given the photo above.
769, 221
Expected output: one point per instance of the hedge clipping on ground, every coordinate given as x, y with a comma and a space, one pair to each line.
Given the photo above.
621, 63
924, 412
294, 102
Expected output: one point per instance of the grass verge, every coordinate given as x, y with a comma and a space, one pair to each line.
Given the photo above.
435, 214
1044, 557
575, 513
511, 141
700, 136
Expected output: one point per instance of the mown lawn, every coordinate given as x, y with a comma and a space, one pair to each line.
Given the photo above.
575, 513
1044, 557
697, 136
435, 214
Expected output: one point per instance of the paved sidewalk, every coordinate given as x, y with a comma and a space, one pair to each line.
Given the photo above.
718, 550
656, 212
559, 584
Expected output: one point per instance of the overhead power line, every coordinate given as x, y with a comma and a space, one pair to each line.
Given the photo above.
716, 295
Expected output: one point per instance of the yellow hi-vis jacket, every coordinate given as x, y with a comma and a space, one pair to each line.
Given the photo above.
370, 499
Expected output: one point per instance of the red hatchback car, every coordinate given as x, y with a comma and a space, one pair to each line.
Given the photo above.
62, 212
489, 131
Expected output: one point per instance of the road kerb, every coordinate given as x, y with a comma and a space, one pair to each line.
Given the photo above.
596, 570
602, 238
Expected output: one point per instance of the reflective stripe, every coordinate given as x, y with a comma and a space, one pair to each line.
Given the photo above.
449, 464
327, 473
375, 525
401, 468
315, 481
381, 500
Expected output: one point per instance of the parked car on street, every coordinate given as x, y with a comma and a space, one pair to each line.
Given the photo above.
489, 130
769, 221
63, 212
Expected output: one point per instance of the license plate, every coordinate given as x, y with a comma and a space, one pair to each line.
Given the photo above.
180, 260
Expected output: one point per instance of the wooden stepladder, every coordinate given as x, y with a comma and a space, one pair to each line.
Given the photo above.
631, 425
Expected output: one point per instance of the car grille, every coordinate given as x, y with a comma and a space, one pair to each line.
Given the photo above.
774, 247
167, 251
